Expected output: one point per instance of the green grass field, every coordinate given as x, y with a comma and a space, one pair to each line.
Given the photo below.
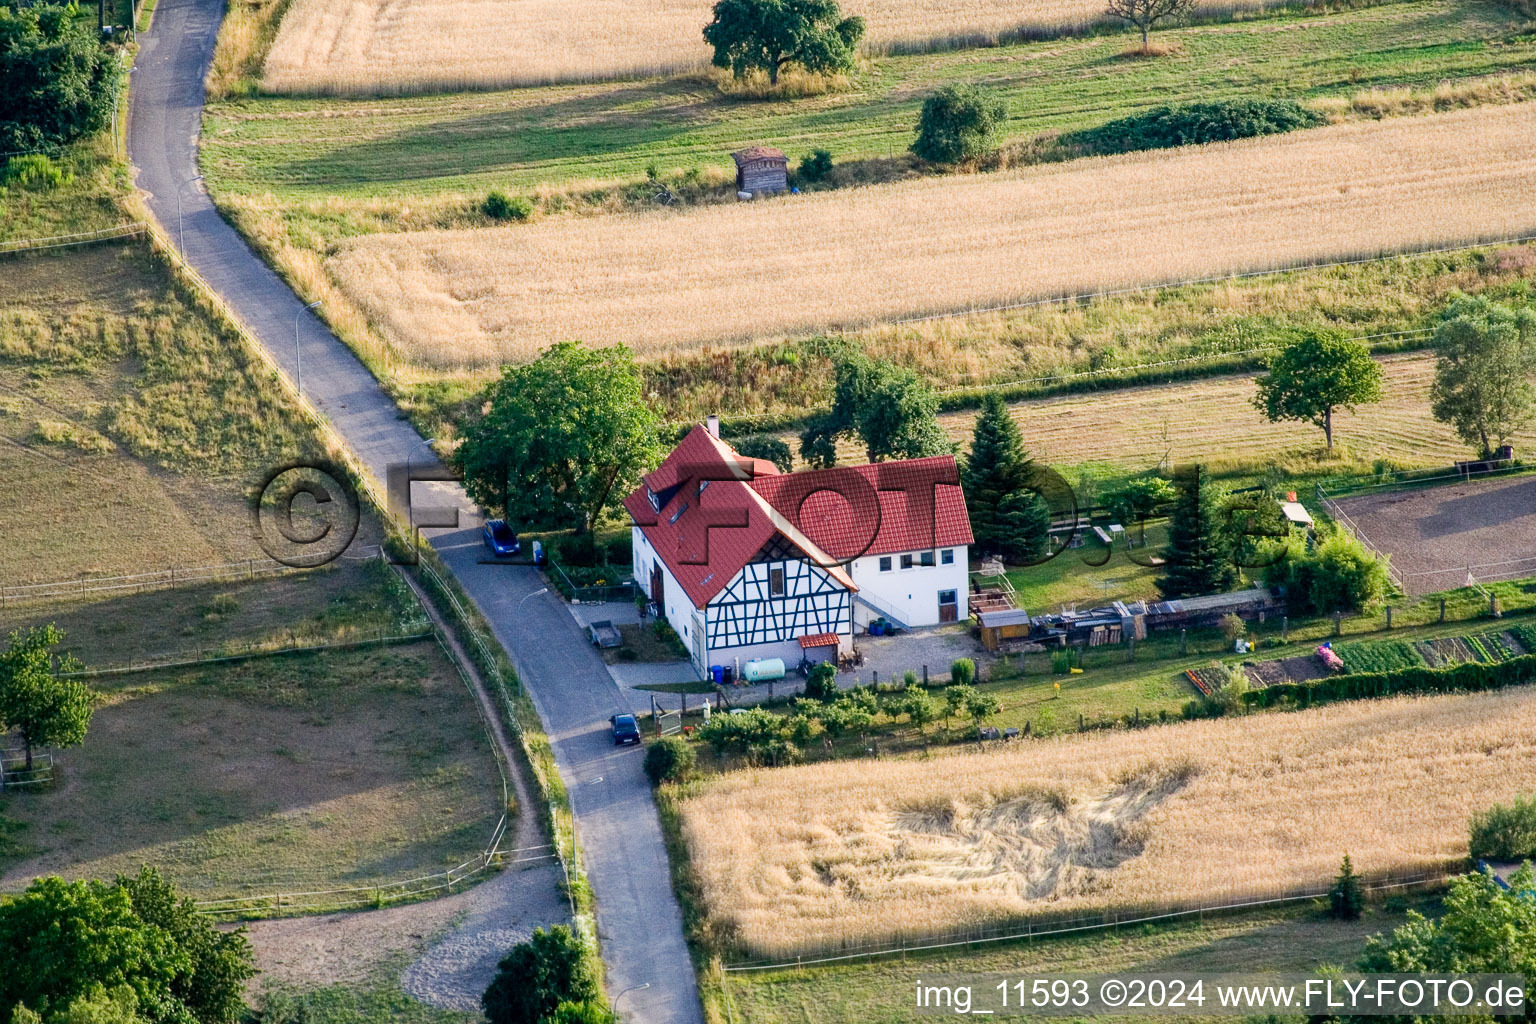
1295, 939
284, 773
527, 139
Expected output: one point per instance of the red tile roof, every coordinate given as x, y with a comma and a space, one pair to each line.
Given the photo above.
710, 523
875, 509
818, 640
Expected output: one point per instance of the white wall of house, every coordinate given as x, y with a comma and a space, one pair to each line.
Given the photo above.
900, 586
678, 608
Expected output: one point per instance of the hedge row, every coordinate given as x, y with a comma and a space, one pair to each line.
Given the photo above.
1194, 124
1470, 677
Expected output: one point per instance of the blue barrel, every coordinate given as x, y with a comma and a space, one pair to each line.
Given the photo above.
717, 673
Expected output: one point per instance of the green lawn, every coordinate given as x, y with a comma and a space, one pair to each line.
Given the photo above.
1295, 939
285, 773
523, 139
1072, 577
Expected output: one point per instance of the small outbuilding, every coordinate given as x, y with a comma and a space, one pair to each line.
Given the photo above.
761, 169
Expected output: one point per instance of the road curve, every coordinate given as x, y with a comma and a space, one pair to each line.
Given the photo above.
650, 975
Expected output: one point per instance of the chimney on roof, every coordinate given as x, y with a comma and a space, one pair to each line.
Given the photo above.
712, 424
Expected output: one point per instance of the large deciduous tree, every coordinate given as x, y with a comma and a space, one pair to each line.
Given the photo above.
55, 78
1485, 354
768, 35
561, 439
1315, 374
129, 950
536, 977
36, 700
891, 409
1144, 14
1483, 928
1196, 559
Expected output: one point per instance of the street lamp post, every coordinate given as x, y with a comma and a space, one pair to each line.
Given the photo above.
298, 355
181, 234
520, 604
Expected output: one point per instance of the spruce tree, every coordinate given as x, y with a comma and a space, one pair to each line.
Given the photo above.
997, 467
1023, 524
1196, 559
1347, 898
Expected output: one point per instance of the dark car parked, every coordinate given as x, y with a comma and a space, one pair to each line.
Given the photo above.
625, 729
500, 538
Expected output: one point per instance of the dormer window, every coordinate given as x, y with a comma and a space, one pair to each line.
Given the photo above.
654, 499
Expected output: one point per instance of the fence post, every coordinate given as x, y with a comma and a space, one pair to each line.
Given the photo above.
1442, 609
1389, 616
1338, 623
1183, 641
1493, 606
1285, 629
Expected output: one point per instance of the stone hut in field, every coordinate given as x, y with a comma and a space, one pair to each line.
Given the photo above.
761, 169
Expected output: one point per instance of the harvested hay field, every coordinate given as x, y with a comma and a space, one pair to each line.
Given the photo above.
671, 281
838, 854
1214, 420
374, 47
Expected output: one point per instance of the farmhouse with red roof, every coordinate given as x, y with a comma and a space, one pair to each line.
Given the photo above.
746, 562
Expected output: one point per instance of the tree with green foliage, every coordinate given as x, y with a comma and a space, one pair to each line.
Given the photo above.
959, 123
562, 438
1195, 559
1485, 353
768, 448
889, 408
997, 466
127, 951
1315, 374
1338, 574
56, 77
36, 699
821, 683
582, 1013
669, 759
918, 705
1252, 525
1483, 929
768, 35
1137, 499
1024, 521
1505, 831
537, 976
1346, 899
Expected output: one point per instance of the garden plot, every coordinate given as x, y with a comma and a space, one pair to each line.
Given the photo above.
1393, 655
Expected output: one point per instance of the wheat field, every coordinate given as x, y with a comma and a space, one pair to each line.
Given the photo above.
841, 853
381, 47
677, 280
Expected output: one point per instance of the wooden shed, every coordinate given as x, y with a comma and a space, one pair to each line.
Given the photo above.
1003, 628
761, 169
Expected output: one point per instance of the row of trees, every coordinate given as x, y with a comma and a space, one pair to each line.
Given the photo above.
1485, 356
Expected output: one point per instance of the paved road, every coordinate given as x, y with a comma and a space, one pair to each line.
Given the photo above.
638, 919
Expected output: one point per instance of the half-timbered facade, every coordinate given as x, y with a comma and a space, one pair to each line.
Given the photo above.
746, 563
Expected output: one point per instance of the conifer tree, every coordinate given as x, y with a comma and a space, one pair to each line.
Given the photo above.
1196, 559
997, 467
1347, 898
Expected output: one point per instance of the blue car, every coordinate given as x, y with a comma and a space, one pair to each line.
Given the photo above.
500, 538
625, 730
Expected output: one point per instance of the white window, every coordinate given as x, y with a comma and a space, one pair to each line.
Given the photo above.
906, 561
925, 558
885, 563
947, 556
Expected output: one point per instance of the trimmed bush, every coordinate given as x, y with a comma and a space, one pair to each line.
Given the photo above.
1469, 677
958, 123
500, 206
1193, 124
669, 760
821, 684
1505, 831
962, 672
815, 166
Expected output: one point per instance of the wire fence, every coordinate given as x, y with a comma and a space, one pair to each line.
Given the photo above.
16, 773
250, 568
1054, 926
78, 238
188, 658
